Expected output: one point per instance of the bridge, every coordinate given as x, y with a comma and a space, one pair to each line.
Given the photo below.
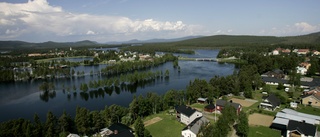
206, 59
199, 59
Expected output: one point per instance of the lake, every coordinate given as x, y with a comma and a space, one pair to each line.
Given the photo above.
22, 99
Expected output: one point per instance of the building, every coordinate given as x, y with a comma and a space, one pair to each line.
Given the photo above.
193, 128
220, 104
301, 70
303, 51
270, 102
311, 99
187, 114
209, 108
301, 129
202, 100
73, 135
277, 73
275, 52
117, 130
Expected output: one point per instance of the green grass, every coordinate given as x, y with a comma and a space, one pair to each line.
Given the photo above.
198, 106
309, 110
167, 127
261, 131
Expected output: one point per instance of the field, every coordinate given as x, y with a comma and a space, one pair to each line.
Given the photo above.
245, 103
167, 127
152, 121
260, 120
261, 131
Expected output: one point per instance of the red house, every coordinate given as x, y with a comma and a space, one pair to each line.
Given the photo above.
209, 108
220, 104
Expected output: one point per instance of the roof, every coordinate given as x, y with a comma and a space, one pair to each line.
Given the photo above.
223, 103
274, 101
293, 112
281, 121
196, 124
275, 80
210, 106
73, 135
188, 111
303, 128
202, 99
295, 118
123, 130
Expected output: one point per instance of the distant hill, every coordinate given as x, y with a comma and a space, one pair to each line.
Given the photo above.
11, 45
217, 41
135, 41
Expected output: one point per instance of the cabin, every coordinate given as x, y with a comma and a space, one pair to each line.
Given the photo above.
202, 100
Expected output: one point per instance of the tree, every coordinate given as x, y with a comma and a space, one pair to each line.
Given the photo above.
243, 126
82, 120
38, 127
50, 125
65, 122
139, 127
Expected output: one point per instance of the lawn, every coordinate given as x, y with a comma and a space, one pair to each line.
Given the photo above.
309, 110
167, 127
198, 106
261, 131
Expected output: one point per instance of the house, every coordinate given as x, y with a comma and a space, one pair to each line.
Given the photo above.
315, 53
275, 81
277, 73
303, 51
117, 130
287, 51
270, 102
209, 108
220, 104
301, 70
187, 114
311, 99
193, 128
202, 100
305, 65
301, 129
275, 52
282, 118
73, 135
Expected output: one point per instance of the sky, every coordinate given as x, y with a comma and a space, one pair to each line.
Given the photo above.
122, 20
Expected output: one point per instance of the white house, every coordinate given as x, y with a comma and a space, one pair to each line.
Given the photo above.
187, 114
193, 128
275, 52
301, 70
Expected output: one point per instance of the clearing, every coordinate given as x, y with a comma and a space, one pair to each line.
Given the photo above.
152, 121
260, 120
244, 102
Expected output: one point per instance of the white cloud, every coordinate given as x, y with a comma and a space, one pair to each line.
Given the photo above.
290, 30
305, 27
38, 17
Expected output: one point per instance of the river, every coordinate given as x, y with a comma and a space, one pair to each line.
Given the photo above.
22, 99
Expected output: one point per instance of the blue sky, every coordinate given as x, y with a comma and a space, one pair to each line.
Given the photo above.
121, 20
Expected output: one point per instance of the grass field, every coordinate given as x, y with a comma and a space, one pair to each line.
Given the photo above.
167, 127
261, 131
260, 119
309, 110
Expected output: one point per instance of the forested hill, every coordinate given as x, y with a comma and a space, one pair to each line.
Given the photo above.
12, 45
217, 41
245, 40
